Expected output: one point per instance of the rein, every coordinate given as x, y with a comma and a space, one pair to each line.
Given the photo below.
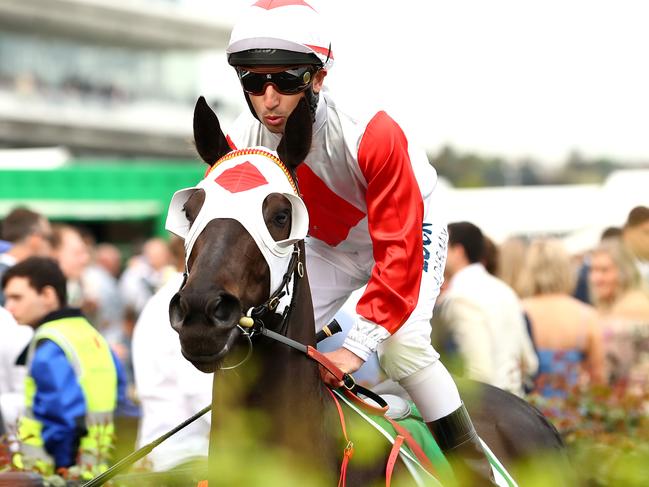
252, 324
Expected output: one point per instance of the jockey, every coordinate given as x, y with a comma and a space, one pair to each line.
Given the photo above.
370, 197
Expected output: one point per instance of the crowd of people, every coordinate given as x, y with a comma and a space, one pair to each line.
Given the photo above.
514, 315
575, 320
54, 274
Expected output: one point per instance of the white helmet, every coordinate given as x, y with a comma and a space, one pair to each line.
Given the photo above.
280, 32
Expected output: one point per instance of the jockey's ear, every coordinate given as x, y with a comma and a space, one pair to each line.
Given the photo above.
296, 141
210, 142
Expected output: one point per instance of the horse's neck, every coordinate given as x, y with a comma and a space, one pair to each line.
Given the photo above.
290, 389
286, 387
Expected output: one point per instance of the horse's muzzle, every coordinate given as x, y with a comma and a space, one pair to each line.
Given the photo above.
210, 362
207, 328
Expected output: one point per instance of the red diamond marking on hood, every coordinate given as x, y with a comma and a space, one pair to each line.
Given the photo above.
240, 178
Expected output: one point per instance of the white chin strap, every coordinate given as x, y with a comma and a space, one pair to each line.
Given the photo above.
236, 188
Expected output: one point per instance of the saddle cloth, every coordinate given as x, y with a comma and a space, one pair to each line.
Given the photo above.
405, 413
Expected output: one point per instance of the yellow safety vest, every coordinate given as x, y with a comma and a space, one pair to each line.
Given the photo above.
90, 357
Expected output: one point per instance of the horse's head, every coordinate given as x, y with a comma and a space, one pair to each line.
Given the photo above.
240, 225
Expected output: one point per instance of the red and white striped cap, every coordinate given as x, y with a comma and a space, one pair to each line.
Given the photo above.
280, 32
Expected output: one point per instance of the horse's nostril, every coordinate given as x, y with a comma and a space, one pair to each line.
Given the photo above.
177, 310
224, 308
219, 309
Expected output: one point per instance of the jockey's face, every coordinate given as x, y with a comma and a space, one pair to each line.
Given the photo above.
272, 107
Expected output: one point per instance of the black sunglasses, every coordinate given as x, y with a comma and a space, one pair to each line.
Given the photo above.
288, 82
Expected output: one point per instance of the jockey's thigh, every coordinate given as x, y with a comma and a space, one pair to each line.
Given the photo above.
409, 350
333, 276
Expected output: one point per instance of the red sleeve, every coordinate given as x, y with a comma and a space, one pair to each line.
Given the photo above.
395, 217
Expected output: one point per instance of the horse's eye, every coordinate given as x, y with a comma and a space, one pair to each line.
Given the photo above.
281, 218
193, 205
189, 215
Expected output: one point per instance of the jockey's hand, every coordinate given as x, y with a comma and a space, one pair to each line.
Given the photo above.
345, 360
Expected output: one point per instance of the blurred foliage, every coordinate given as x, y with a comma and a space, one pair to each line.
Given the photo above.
606, 429
467, 170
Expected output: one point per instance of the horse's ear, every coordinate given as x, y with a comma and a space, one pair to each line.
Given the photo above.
296, 141
210, 142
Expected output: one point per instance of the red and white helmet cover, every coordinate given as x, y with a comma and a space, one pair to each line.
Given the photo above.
290, 25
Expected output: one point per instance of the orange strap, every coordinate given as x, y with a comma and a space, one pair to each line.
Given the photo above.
392, 459
365, 406
349, 447
320, 358
414, 446
202, 483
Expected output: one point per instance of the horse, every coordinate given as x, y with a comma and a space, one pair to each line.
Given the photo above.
230, 278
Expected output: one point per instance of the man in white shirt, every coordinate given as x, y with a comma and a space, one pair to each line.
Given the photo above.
484, 316
15, 338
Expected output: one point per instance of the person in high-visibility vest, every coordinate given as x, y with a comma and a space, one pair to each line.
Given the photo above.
74, 381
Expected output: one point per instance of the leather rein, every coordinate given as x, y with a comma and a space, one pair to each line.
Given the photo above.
252, 324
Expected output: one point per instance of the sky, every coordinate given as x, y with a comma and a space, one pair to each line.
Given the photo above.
508, 78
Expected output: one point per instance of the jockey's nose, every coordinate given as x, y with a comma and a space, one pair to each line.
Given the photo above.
271, 96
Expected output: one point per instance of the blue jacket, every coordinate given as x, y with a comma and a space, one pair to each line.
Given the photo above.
59, 403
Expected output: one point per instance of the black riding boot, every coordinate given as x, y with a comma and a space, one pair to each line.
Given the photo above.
459, 441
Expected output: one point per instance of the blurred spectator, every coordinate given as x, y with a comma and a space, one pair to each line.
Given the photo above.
483, 316
28, 233
581, 291
611, 232
15, 338
109, 257
71, 252
511, 254
635, 235
144, 275
566, 331
73, 380
622, 300
100, 287
491, 256
170, 388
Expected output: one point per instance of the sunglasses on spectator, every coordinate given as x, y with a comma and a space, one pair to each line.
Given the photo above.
288, 82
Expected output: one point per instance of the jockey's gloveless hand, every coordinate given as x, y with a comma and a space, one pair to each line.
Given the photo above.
343, 359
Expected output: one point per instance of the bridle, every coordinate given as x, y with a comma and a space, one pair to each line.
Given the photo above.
253, 321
